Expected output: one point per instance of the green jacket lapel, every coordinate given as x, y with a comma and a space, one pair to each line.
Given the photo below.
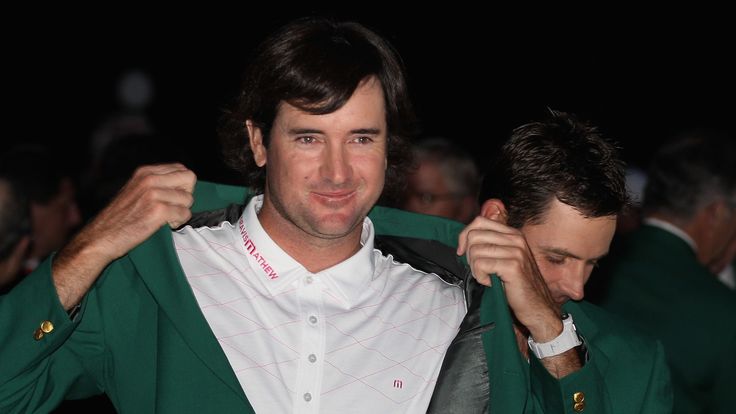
507, 370
166, 281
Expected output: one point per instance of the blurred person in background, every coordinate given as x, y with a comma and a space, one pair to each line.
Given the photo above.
51, 195
15, 232
445, 182
659, 276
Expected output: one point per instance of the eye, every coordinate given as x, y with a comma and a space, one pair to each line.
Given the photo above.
363, 140
306, 139
556, 260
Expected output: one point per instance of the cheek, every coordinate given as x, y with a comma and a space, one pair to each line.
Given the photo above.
548, 272
369, 165
554, 275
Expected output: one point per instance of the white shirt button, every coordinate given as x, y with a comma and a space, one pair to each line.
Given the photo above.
313, 319
307, 397
312, 358
309, 280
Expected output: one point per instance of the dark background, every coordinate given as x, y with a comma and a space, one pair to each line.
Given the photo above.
474, 74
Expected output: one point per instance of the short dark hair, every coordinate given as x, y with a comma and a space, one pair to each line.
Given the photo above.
690, 171
15, 220
560, 158
315, 64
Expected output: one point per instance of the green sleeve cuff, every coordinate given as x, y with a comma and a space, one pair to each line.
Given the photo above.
33, 323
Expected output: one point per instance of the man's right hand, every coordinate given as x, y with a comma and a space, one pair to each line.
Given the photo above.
493, 247
154, 196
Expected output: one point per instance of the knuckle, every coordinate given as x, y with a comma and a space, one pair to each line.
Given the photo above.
186, 214
150, 196
188, 200
142, 170
148, 180
474, 251
191, 176
158, 210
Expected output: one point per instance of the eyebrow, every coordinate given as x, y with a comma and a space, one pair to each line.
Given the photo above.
365, 131
563, 252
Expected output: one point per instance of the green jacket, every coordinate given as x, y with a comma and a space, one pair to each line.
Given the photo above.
141, 338
657, 282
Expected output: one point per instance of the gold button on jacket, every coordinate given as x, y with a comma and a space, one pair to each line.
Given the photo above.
38, 334
47, 326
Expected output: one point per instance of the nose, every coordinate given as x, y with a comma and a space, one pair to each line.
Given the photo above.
336, 165
574, 286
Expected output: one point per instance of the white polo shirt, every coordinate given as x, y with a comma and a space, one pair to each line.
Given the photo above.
367, 335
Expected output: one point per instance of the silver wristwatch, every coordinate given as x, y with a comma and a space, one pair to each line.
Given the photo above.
567, 340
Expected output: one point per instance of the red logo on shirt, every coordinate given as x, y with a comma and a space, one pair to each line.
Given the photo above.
251, 248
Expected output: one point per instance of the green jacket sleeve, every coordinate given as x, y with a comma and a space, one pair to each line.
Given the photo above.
39, 369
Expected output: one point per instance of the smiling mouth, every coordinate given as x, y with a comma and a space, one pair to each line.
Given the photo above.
335, 196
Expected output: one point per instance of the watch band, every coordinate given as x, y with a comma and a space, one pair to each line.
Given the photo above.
567, 340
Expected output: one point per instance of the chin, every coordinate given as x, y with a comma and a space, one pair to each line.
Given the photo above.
335, 228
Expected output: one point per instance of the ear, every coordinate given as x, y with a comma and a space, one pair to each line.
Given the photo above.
255, 138
493, 209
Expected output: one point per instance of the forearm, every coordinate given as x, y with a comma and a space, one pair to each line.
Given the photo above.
76, 268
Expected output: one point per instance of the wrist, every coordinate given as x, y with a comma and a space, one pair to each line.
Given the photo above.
83, 249
565, 341
94, 245
546, 328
